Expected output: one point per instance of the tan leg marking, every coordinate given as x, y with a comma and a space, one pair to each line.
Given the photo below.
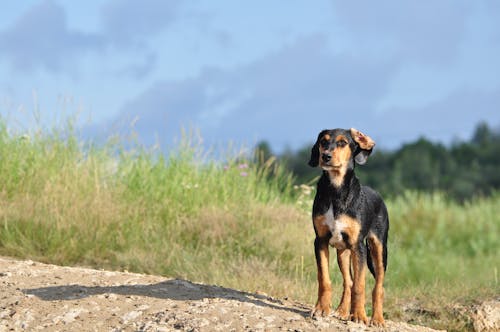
344, 261
323, 304
358, 313
376, 252
322, 253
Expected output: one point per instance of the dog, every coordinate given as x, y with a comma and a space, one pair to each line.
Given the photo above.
351, 218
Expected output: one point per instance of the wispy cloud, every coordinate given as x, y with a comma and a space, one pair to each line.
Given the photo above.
401, 69
41, 38
285, 97
128, 23
423, 31
288, 95
458, 112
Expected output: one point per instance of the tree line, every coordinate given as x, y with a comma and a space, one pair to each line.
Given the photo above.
462, 170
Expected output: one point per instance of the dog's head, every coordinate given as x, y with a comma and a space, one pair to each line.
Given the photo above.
338, 149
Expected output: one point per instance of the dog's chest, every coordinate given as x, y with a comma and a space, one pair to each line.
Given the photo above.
337, 227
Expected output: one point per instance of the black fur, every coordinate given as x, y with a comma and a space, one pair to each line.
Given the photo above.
345, 196
357, 201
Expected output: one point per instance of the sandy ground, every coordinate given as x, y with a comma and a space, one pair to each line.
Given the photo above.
36, 296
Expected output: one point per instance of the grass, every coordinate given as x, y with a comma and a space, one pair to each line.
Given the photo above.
237, 223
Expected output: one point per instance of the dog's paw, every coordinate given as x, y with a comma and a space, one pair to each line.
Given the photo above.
320, 311
341, 313
359, 317
377, 321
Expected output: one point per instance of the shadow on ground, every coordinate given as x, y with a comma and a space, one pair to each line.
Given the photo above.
175, 289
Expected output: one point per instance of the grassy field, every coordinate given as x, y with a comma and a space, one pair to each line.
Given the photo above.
230, 223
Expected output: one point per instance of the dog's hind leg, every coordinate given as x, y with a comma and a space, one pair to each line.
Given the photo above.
378, 254
344, 261
369, 260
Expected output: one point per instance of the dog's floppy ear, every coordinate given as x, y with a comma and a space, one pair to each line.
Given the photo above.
314, 161
365, 146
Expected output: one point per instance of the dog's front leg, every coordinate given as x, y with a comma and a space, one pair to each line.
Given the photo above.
358, 259
324, 283
344, 261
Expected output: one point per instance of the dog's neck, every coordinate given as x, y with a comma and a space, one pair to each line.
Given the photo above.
342, 192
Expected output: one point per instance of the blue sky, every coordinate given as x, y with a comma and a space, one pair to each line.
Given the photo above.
245, 71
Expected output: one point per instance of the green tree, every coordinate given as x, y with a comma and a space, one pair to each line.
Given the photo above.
462, 170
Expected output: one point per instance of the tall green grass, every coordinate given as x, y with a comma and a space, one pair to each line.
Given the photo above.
235, 223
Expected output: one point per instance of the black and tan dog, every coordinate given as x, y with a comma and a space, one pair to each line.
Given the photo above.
353, 219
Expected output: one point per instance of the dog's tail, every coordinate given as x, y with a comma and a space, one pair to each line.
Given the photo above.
369, 260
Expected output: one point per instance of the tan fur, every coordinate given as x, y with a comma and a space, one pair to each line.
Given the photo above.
352, 229
364, 141
339, 162
320, 225
343, 231
324, 283
358, 312
376, 252
344, 261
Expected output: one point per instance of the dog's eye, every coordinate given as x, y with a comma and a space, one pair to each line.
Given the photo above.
341, 143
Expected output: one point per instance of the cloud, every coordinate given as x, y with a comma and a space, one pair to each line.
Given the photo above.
140, 69
453, 116
129, 23
423, 31
285, 97
41, 38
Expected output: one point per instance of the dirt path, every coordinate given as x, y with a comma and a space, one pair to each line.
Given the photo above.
36, 296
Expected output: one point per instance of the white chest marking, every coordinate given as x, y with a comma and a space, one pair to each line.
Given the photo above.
336, 226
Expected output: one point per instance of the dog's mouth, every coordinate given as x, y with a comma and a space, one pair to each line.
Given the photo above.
331, 167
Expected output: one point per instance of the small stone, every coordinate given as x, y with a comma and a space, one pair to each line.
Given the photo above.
130, 316
260, 325
162, 329
293, 318
178, 325
72, 315
7, 313
487, 317
203, 322
143, 307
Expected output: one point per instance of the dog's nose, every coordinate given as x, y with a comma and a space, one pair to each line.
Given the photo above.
326, 157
